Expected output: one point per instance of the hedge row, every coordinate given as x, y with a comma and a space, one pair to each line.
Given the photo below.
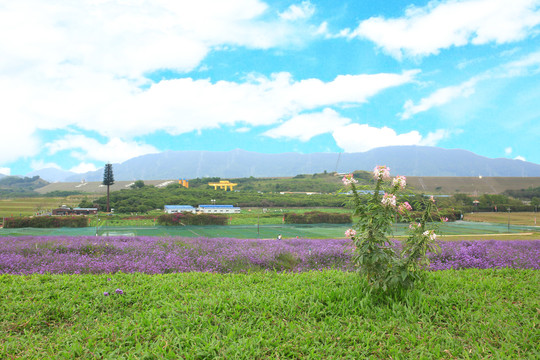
317, 217
46, 222
191, 219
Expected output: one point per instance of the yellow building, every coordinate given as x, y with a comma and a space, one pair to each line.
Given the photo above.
184, 183
223, 184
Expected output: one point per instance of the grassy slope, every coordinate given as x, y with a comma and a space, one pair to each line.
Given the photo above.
455, 314
516, 218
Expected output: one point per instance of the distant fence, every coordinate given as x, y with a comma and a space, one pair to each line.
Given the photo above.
311, 231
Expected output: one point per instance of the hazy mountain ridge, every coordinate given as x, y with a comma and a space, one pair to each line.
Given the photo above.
404, 160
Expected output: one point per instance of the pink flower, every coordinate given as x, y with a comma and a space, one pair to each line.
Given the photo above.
381, 172
389, 200
350, 233
413, 225
444, 219
349, 179
400, 181
432, 199
404, 207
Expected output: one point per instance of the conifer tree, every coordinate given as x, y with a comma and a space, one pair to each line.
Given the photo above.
108, 179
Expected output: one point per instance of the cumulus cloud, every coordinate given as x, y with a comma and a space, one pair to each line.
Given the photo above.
306, 126
440, 25
508, 150
362, 137
129, 39
85, 148
83, 167
294, 12
5, 171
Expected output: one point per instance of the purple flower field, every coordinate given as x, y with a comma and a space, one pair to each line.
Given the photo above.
154, 255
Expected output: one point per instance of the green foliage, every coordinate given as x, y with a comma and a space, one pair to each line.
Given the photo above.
138, 184
85, 203
528, 194
466, 314
46, 222
150, 198
385, 268
317, 217
186, 218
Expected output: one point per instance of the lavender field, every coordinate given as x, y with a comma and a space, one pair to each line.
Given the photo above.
153, 255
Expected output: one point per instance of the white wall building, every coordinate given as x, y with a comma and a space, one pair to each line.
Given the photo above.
218, 209
171, 209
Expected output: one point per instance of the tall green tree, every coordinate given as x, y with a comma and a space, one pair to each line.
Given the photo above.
108, 179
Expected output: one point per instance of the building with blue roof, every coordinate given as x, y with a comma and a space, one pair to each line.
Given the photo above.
171, 209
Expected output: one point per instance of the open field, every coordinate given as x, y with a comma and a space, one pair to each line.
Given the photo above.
517, 218
465, 314
30, 206
96, 187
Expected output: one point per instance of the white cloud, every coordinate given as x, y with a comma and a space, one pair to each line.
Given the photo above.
508, 150
40, 164
305, 10
84, 148
17, 138
83, 168
81, 65
442, 24
526, 66
118, 108
433, 138
306, 126
131, 38
360, 138
438, 98
5, 171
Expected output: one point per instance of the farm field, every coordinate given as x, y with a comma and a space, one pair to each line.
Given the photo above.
30, 206
259, 300
517, 218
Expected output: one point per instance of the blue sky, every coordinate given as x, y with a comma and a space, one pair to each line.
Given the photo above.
87, 82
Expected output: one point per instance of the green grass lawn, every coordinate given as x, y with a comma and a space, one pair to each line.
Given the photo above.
468, 314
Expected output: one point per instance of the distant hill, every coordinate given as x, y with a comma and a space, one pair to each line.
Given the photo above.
17, 186
402, 160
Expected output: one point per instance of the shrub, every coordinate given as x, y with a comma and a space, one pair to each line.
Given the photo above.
46, 222
191, 219
375, 255
317, 217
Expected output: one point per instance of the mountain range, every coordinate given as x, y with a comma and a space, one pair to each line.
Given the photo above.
402, 160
